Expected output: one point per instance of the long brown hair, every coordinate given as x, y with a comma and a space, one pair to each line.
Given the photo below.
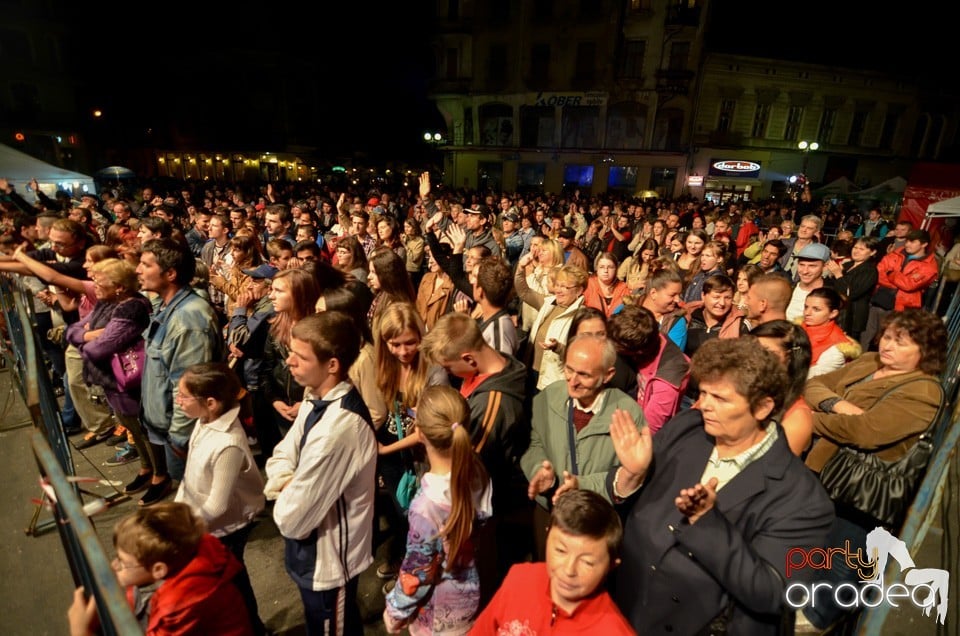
305, 292
395, 319
443, 418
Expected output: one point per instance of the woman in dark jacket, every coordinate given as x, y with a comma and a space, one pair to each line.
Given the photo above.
116, 325
855, 280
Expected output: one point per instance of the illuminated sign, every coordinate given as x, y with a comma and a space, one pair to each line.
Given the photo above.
588, 98
734, 168
695, 180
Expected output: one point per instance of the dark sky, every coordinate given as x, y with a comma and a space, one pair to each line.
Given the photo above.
917, 42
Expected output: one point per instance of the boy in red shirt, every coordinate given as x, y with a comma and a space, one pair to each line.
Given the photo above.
564, 595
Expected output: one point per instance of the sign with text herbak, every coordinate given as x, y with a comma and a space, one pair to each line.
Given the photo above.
734, 168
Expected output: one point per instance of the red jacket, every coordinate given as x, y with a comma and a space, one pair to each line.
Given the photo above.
748, 229
523, 607
911, 281
201, 599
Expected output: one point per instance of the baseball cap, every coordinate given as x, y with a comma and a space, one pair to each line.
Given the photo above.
263, 270
373, 202
511, 216
567, 233
815, 252
480, 208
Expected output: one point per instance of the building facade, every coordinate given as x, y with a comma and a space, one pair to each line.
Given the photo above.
622, 95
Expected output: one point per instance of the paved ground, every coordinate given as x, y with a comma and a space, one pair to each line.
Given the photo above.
36, 585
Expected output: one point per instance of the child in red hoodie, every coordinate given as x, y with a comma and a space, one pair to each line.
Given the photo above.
167, 543
564, 595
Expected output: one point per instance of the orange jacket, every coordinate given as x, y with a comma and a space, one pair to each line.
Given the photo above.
910, 279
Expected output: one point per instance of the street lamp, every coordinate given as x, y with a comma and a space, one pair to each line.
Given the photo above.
805, 147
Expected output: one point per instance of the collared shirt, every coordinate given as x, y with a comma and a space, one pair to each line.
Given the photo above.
593, 408
726, 468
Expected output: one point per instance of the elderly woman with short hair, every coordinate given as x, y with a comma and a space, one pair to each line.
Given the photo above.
555, 311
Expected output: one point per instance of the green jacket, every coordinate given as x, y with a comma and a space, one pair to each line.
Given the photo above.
550, 434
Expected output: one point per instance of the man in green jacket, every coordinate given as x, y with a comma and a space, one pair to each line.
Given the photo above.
578, 408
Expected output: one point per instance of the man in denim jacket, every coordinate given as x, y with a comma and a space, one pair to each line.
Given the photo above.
183, 331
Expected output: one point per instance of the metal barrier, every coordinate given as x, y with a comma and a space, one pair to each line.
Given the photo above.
88, 563
937, 496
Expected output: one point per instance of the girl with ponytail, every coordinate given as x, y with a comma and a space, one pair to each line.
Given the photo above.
438, 589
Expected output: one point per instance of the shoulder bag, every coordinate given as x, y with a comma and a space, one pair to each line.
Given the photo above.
128, 366
876, 487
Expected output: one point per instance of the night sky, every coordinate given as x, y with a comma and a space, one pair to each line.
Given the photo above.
370, 64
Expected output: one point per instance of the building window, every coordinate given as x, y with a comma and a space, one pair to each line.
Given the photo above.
543, 11
452, 64
537, 126
581, 126
761, 117
586, 60
637, 6
531, 175
490, 176
631, 64
668, 130
496, 125
827, 122
499, 12
497, 63
679, 56
794, 117
622, 178
540, 63
890, 122
577, 175
626, 126
725, 120
590, 9
857, 127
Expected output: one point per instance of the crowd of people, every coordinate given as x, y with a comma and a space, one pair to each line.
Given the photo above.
497, 378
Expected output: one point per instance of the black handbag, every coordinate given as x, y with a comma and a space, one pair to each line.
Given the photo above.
876, 487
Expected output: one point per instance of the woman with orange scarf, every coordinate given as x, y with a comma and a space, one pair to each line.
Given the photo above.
830, 347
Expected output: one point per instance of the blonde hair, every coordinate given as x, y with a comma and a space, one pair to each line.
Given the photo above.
556, 252
119, 272
443, 418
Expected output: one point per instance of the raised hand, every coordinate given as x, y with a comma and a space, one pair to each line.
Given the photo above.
634, 447
695, 502
570, 482
458, 237
424, 184
543, 480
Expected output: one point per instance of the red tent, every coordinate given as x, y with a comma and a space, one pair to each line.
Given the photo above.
929, 183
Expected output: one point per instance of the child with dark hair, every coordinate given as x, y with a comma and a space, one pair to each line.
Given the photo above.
565, 594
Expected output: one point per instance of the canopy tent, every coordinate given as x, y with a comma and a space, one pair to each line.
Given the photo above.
930, 184
944, 208
19, 168
894, 186
841, 186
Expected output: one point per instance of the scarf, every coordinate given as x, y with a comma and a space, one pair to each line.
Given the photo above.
824, 336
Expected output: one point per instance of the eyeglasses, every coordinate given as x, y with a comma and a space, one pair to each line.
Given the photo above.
61, 245
566, 287
183, 397
119, 565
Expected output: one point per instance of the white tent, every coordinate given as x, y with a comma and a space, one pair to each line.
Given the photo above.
19, 168
944, 207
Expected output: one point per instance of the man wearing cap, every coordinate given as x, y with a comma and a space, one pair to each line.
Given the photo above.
517, 243
572, 255
810, 266
478, 232
902, 277
246, 341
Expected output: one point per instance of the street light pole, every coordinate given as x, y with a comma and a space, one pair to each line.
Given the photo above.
805, 147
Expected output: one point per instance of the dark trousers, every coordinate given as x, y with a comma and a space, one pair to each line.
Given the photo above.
236, 542
332, 611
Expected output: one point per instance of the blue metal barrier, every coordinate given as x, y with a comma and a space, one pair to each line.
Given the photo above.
942, 468
88, 563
